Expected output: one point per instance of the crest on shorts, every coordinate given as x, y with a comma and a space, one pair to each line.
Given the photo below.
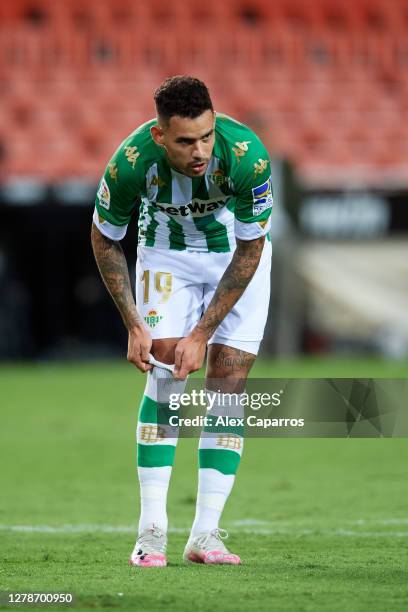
153, 318
262, 197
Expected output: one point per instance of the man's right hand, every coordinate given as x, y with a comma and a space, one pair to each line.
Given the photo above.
139, 347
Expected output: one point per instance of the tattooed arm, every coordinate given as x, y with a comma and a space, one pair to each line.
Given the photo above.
114, 271
191, 350
232, 285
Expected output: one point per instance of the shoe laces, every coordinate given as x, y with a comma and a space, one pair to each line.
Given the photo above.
152, 540
213, 540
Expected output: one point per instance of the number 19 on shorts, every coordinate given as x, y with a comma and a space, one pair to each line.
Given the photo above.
162, 284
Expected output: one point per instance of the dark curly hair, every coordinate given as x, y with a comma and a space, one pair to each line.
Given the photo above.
184, 96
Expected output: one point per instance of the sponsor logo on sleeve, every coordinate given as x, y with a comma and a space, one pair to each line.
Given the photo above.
104, 194
262, 197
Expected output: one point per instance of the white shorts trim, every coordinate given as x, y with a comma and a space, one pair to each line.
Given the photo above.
249, 346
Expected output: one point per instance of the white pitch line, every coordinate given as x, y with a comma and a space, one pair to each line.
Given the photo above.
243, 526
371, 534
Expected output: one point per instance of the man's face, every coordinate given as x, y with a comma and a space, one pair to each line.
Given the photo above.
188, 142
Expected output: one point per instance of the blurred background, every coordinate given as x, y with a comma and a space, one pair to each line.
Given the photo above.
324, 84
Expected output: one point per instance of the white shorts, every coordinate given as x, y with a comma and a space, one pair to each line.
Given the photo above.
173, 289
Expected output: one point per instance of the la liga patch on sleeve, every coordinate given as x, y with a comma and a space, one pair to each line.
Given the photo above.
104, 194
262, 197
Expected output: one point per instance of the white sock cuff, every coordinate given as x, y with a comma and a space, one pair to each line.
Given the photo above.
160, 384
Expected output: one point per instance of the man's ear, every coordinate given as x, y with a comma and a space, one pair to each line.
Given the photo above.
157, 134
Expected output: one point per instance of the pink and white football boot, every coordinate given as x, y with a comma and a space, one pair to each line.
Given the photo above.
150, 548
209, 548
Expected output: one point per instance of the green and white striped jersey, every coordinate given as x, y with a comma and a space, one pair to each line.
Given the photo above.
233, 198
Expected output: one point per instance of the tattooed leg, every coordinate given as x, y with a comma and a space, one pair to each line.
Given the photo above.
229, 367
219, 454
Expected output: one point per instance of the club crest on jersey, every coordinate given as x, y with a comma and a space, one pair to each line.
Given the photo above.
153, 318
218, 178
262, 197
104, 194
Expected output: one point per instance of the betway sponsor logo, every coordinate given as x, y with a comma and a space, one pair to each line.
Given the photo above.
196, 208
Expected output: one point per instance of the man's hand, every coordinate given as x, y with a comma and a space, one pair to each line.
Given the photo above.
189, 354
139, 345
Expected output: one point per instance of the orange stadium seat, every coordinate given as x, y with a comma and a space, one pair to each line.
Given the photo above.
34, 13
323, 80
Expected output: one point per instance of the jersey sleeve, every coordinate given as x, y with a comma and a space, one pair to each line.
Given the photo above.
252, 190
118, 191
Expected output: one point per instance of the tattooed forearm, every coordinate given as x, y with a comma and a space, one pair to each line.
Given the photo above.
114, 271
232, 284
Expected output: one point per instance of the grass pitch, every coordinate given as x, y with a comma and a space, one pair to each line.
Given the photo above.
320, 524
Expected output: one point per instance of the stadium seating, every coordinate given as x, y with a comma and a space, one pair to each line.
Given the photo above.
323, 80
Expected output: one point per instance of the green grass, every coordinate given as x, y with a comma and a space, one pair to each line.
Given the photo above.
333, 512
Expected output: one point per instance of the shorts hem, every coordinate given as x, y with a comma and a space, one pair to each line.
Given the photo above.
223, 339
249, 346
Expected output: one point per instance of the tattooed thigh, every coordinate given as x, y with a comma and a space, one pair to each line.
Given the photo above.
230, 364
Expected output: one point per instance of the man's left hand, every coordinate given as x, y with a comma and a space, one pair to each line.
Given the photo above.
189, 354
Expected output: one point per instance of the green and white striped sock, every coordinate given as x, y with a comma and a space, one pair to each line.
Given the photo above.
156, 446
219, 455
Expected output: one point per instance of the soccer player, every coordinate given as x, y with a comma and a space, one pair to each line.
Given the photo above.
202, 183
